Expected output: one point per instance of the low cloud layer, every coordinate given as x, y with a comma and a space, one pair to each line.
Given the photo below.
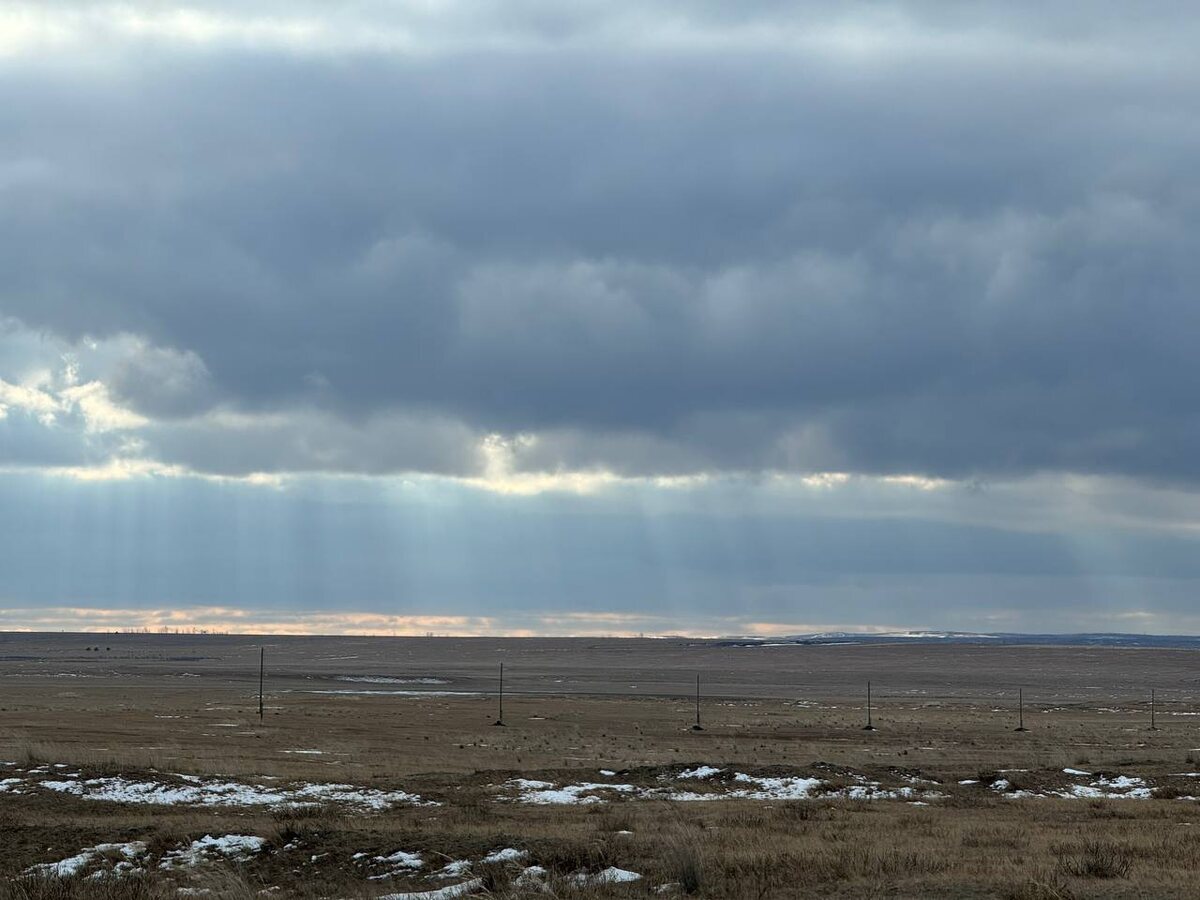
719, 558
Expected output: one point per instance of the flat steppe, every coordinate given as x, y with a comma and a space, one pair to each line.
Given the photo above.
944, 798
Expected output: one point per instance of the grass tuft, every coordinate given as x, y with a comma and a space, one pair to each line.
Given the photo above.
1097, 859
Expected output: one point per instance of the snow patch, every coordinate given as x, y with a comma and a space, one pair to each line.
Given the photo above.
611, 875
544, 792
533, 878
700, 772
73, 865
238, 847
201, 792
385, 679
402, 859
508, 854
396, 694
454, 890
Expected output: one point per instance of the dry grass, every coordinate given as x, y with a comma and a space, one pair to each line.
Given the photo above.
971, 843
39, 888
1098, 859
1033, 850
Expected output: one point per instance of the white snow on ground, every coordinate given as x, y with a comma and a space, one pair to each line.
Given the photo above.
744, 787
66, 787
533, 878
237, 847
446, 893
397, 694
397, 863
1121, 787
232, 846
790, 788
611, 875
75, 864
355, 796
872, 791
1072, 772
202, 792
305, 752
7, 784
699, 772
508, 854
64, 868
403, 859
544, 792
917, 779
453, 869
383, 679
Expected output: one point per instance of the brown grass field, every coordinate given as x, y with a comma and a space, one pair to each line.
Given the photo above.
158, 708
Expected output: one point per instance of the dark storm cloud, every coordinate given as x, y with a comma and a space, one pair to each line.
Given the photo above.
162, 382
948, 241
307, 441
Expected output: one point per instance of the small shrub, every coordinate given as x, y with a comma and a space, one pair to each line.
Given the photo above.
1098, 859
496, 877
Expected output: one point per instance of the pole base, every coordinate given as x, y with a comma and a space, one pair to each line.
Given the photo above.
697, 728
500, 723
868, 728
1022, 728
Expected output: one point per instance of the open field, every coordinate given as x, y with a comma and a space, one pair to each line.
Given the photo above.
377, 769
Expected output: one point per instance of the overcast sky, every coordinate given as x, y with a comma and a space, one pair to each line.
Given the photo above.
600, 317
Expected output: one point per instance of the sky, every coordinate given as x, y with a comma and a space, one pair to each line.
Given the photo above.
614, 317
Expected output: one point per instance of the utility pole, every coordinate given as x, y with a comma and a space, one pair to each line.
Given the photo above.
262, 668
1021, 710
869, 726
697, 727
500, 721
1153, 724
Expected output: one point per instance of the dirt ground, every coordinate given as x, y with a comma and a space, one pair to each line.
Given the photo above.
417, 714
